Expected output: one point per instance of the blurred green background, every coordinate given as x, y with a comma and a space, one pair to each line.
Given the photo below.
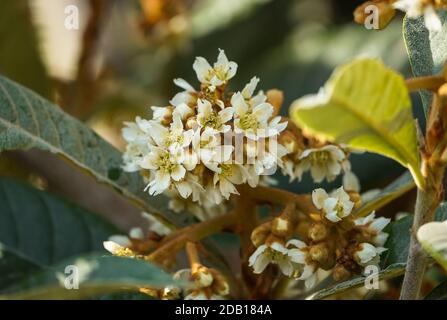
124, 55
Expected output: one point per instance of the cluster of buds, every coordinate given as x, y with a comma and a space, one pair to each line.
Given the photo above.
386, 10
334, 239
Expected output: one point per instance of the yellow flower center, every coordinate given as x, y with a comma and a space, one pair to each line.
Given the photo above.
248, 121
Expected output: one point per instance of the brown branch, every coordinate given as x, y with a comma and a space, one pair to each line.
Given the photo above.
431, 83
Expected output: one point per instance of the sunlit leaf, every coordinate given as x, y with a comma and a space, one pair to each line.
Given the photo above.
366, 106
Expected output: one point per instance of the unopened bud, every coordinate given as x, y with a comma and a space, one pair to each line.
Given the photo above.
318, 232
319, 252
288, 140
281, 226
375, 13
340, 273
275, 98
202, 276
355, 197
260, 233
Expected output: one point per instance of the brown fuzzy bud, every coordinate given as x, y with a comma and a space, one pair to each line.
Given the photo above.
220, 284
365, 13
260, 233
319, 253
355, 197
275, 98
340, 273
318, 232
281, 226
289, 140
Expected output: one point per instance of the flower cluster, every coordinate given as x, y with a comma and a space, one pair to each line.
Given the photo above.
206, 141
333, 239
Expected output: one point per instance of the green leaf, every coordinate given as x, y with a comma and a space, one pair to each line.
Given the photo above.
44, 228
19, 52
427, 51
366, 106
97, 275
14, 266
394, 190
390, 272
28, 121
438, 293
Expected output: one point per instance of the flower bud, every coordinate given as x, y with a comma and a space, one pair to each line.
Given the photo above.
260, 233
202, 276
275, 98
191, 123
288, 140
319, 253
281, 226
340, 273
318, 232
364, 12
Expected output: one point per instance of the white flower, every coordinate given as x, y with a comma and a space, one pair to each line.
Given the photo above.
248, 91
188, 96
323, 163
336, 206
417, 8
222, 70
292, 262
367, 254
156, 226
167, 167
207, 145
201, 285
275, 253
302, 269
374, 226
173, 137
253, 121
160, 113
227, 176
207, 117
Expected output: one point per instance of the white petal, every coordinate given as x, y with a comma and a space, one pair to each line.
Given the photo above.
136, 233
318, 197
202, 68
178, 173
182, 83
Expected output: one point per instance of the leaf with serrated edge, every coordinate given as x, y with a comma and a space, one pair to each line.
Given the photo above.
29, 121
366, 106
